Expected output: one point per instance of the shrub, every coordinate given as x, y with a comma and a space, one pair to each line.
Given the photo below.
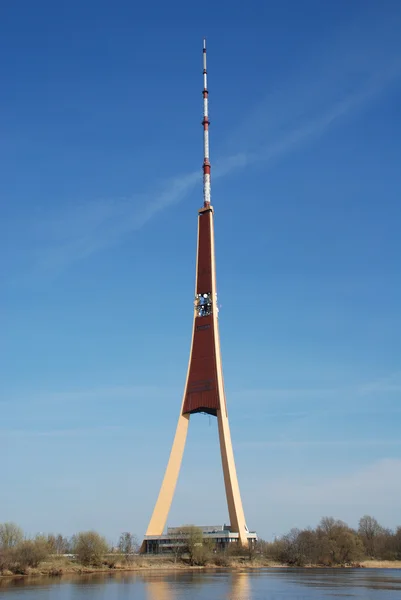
200, 555
30, 553
112, 561
90, 548
6, 560
222, 559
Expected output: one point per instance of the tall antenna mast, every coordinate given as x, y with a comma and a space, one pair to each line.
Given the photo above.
205, 123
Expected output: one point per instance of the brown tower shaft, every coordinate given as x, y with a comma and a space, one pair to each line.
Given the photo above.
201, 393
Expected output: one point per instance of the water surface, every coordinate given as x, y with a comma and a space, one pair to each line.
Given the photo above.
265, 584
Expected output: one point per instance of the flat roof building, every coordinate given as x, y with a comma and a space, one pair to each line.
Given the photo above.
177, 537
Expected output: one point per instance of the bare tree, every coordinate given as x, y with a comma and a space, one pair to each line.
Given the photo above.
330, 526
338, 544
51, 543
10, 535
62, 544
127, 545
397, 544
369, 531
58, 544
178, 548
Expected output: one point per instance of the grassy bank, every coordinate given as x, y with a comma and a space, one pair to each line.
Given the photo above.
381, 564
60, 566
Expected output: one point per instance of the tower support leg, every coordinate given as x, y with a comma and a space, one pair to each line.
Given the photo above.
165, 498
235, 509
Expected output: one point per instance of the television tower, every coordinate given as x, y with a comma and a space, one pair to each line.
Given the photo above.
204, 386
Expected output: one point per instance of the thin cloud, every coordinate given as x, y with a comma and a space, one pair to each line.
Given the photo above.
304, 411
103, 224
60, 433
353, 488
318, 443
114, 219
391, 383
374, 488
355, 68
82, 396
340, 411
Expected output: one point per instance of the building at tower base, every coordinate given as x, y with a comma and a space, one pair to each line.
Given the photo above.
219, 536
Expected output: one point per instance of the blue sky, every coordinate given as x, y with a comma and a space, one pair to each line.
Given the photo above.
101, 153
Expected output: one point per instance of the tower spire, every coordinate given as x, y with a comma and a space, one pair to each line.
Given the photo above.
205, 123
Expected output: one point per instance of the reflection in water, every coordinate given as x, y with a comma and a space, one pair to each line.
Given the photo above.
159, 589
165, 588
373, 579
240, 586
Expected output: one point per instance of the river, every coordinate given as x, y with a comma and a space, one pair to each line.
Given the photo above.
266, 584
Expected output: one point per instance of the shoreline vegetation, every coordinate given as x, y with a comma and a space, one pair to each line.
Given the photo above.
332, 544
59, 568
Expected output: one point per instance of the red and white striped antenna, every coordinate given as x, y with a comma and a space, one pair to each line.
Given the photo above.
205, 123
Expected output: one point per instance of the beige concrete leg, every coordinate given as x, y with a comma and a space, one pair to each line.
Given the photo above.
235, 510
165, 498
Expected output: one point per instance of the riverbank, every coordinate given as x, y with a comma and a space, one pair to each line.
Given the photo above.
381, 564
61, 566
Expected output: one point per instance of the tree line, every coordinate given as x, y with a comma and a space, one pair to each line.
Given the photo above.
333, 542
19, 553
